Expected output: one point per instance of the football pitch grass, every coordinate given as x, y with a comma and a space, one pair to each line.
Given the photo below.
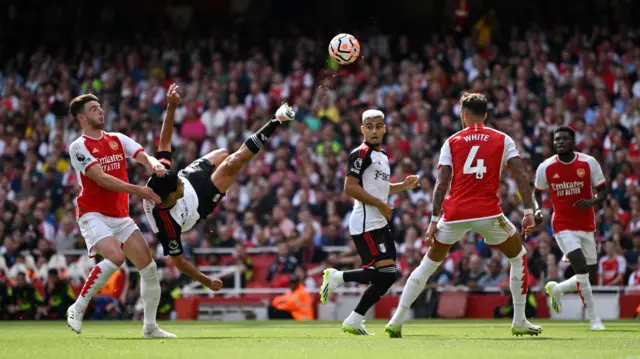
459, 339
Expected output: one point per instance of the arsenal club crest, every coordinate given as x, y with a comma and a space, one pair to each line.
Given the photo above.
113, 145
580, 172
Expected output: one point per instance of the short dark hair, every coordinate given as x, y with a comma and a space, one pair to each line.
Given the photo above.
567, 129
474, 102
77, 104
164, 186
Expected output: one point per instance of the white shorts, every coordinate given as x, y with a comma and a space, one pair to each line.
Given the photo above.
569, 241
494, 230
95, 227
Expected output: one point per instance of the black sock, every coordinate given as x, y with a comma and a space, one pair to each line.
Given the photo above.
362, 276
257, 140
370, 297
383, 279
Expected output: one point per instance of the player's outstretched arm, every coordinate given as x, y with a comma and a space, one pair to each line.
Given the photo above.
190, 270
151, 163
409, 183
112, 183
173, 100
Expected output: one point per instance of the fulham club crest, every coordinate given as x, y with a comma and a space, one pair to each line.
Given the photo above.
382, 247
113, 145
580, 172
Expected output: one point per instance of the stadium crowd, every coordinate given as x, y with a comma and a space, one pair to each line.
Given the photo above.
291, 197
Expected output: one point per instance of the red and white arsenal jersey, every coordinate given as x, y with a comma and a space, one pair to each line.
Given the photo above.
110, 151
567, 183
610, 268
477, 155
634, 279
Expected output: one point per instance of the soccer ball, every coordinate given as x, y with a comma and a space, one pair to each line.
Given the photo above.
344, 49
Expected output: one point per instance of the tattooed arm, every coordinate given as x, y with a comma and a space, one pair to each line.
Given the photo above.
440, 189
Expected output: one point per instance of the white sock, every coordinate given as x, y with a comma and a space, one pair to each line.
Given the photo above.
354, 318
415, 284
584, 290
95, 281
568, 285
338, 275
150, 293
518, 285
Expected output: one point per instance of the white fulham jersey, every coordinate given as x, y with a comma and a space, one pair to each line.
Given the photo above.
169, 223
184, 213
371, 167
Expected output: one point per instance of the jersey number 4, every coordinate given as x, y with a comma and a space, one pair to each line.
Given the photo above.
479, 169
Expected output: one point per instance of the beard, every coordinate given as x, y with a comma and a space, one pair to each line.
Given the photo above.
95, 124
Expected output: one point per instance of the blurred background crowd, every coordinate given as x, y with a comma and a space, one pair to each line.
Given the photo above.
539, 72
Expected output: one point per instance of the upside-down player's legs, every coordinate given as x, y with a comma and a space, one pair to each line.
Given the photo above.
216, 157
580, 248
226, 172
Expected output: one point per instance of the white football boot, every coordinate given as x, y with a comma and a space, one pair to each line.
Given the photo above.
74, 318
329, 284
354, 328
596, 325
285, 113
525, 328
156, 332
553, 294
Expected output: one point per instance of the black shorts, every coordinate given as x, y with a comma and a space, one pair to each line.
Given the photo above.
375, 246
198, 173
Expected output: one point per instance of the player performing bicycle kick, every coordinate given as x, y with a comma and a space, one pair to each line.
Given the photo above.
193, 193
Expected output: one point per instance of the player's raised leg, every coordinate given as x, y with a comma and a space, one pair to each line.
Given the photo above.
99, 240
216, 157
225, 174
572, 244
137, 250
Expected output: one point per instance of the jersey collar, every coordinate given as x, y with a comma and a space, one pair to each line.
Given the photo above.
575, 157
93, 138
475, 127
371, 147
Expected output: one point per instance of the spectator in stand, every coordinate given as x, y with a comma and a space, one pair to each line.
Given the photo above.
24, 299
634, 278
612, 267
58, 295
307, 252
632, 255
244, 263
284, 263
494, 275
470, 277
66, 236
333, 237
